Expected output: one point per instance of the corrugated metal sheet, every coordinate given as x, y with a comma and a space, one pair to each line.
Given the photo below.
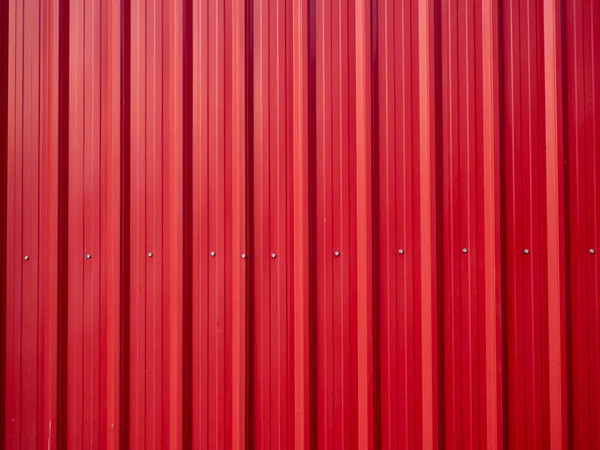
300, 224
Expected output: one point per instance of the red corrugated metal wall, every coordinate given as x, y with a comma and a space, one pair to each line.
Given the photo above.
277, 224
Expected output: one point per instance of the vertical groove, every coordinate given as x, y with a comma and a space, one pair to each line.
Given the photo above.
4, 67
250, 221
125, 225
439, 396
63, 221
310, 275
375, 237
188, 225
501, 32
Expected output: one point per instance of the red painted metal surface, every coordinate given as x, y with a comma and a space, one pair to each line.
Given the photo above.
354, 224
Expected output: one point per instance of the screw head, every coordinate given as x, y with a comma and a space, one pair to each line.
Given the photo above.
149, 254
526, 251
243, 256
401, 251
26, 258
212, 253
88, 256
465, 250
273, 255
592, 251
337, 253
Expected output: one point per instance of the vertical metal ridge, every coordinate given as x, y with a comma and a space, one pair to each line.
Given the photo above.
555, 157
238, 213
301, 234
324, 329
261, 330
576, 201
30, 198
428, 145
346, 214
279, 220
406, 194
154, 413
113, 299
174, 233
49, 166
76, 252
215, 200
138, 248
364, 213
227, 218
492, 172
200, 220
389, 300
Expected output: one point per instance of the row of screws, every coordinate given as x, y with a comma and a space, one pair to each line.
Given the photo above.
336, 253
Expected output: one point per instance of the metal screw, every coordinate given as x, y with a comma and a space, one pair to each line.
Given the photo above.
337, 253
212, 253
273, 255
243, 256
592, 251
401, 251
88, 256
526, 251
150, 255
465, 250
26, 257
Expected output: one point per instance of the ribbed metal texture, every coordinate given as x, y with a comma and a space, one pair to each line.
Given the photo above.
293, 224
